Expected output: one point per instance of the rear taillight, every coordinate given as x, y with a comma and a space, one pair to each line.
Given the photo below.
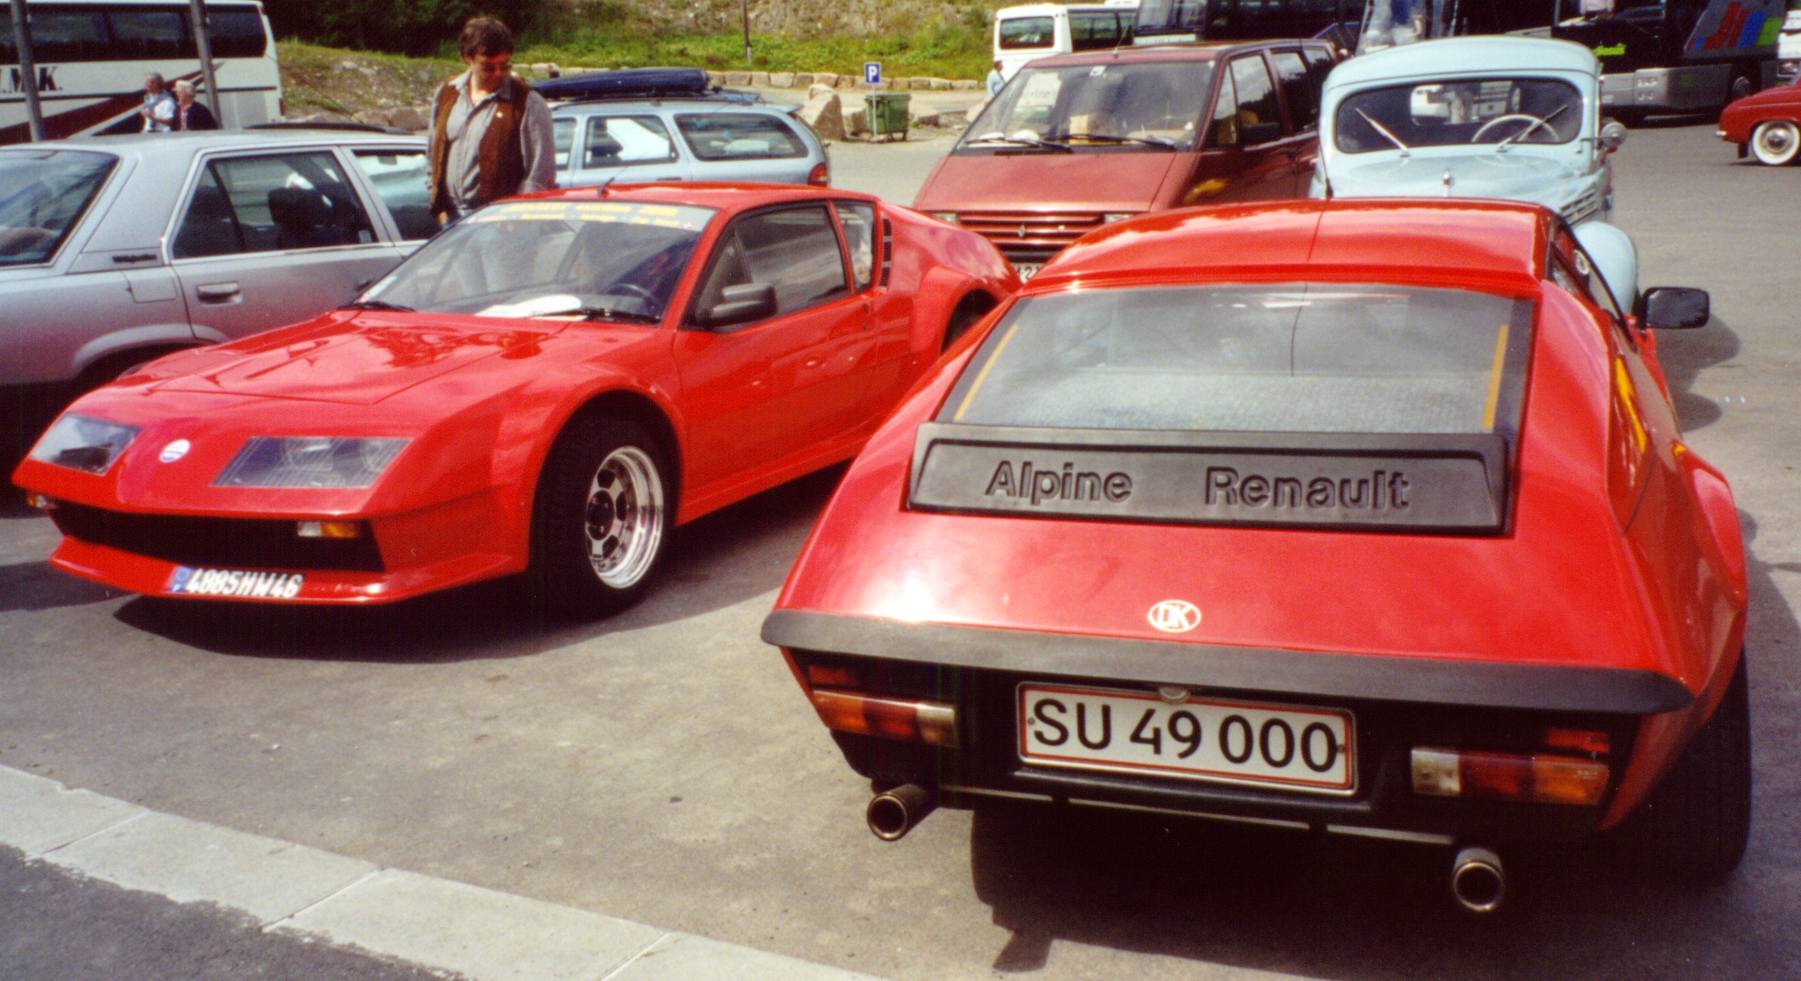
932, 723
820, 175
1538, 777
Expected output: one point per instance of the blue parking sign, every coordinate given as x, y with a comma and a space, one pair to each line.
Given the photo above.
872, 73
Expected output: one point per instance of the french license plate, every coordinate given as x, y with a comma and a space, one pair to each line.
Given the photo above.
234, 583
1215, 740
1027, 270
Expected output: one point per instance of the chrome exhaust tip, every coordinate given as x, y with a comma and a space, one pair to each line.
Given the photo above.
893, 812
1478, 880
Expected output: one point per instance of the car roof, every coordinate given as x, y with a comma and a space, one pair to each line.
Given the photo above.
576, 107
1498, 245
218, 139
1198, 51
721, 195
1464, 56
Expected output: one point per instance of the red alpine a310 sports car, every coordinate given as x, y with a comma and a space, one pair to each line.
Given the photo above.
547, 385
1369, 517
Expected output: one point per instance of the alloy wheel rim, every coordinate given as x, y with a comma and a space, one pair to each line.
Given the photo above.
623, 517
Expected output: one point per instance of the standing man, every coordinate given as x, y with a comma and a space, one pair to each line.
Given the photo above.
996, 81
159, 105
188, 113
491, 134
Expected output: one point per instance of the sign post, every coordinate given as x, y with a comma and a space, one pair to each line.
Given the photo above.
872, 74
198, 13
28, 72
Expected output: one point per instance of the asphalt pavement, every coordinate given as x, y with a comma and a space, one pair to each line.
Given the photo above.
661, 772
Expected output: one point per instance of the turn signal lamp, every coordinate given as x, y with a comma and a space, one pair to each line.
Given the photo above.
38, 501
932, 723
329, 529
833, 676
1537, 778
1112, 216
948, 217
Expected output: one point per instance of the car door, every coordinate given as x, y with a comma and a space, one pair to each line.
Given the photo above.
1300, 99
1249, 154
763, 394
623, 146
272, 238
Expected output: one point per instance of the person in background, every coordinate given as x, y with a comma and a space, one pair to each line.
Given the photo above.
995, 80
159, 105
491, 134
188, 113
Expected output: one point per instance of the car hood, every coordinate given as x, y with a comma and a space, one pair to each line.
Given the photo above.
1035, 181
359, 359
1515, 176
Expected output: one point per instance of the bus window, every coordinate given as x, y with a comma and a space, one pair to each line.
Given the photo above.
1101, 29
1026, 32
148, 34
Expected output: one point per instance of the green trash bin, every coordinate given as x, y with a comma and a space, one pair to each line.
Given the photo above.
887, 114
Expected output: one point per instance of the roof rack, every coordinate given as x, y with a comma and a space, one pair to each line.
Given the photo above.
628, 83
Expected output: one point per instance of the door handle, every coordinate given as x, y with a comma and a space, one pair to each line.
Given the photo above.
217, 292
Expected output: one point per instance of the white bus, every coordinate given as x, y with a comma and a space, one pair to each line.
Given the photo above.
1039, 29
92, 56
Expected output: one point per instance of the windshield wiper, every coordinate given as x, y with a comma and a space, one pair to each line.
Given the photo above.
1545, 122
375, 305
1405, 151
1157, 141
605, 313
998, 137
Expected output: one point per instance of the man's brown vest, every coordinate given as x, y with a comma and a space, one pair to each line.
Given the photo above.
500, 163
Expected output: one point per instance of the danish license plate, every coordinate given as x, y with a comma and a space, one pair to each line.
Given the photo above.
1027, 270
1215, 740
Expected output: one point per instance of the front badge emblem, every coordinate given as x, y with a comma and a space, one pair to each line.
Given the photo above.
1175, 616
174, 451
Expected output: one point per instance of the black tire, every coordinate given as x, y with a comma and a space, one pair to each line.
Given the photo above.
1695, 824
606, 482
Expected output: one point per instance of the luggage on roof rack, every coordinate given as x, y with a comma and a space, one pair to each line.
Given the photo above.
627, 83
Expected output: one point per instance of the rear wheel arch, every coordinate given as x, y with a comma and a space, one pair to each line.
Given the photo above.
969, 311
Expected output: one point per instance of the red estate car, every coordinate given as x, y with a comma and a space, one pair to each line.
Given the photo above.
1766, 124
547, 385
1359, 516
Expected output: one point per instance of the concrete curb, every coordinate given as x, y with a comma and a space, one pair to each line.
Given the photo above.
471, 931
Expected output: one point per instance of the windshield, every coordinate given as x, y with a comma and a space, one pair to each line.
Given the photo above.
1157, 104
43, 194
1638, 12
1494, 111
608, 259
1294, 358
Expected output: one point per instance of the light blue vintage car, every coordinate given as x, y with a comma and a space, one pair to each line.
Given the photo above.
1480, 117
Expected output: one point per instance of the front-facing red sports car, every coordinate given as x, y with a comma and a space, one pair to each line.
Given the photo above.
1366, 517
548, 385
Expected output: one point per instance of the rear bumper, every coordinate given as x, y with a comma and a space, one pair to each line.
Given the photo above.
1398, 705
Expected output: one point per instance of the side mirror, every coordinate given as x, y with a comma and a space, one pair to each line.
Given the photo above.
1613, 136
1673, 307
740, 305
1251, 134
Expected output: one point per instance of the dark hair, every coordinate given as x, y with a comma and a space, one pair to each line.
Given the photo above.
485, 36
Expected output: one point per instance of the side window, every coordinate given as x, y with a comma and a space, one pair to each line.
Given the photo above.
1257, 101
794, 250
739, 136
290, 201
1572, 269
146, 34
1299, 90
1094, 30
622, 141
398, 177
562, 137
858, 221
1223, 130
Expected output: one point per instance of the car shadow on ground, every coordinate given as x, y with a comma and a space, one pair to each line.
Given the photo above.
718, 561
1251, 899
1684, 354
34, 586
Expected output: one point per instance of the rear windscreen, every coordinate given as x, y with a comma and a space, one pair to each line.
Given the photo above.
1335, 406
1260, 358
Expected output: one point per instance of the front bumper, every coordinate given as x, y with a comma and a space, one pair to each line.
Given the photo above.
1399, 704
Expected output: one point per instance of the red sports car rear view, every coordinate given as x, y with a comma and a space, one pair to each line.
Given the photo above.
547, 386
1366, 517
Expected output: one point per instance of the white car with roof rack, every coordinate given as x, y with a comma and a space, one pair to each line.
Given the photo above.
671, 124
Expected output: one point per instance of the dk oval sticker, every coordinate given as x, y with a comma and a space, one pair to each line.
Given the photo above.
1175, 616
